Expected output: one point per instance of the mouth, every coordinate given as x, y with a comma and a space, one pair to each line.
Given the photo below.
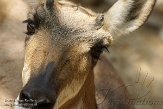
31, 104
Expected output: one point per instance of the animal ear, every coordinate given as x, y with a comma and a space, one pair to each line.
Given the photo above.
127, 15
48, 4
33, 3
87, 2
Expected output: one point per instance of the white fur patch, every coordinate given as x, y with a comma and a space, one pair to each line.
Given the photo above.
26, 73
17, 105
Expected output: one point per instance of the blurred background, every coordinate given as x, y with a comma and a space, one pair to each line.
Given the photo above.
136, 57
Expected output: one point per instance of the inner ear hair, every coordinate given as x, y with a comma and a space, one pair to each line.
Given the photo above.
99, 22
135, 9
126, 16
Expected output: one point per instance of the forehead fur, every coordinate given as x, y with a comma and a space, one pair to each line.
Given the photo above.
72, 22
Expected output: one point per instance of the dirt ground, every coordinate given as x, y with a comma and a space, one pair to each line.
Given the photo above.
137, 57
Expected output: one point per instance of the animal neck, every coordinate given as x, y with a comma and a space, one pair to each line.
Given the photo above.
85, 99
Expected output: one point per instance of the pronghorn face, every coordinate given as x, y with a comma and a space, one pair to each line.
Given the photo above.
60, 50
64, 43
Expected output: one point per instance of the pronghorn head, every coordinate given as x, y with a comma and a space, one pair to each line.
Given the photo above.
64, 41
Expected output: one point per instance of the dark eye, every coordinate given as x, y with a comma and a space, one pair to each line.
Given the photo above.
30, 27
96, 50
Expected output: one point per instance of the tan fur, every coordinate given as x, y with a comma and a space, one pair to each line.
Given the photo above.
66, 38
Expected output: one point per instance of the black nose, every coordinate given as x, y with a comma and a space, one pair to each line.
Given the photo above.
36, 99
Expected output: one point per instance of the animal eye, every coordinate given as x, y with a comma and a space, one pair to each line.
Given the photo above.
96, 51
30, 27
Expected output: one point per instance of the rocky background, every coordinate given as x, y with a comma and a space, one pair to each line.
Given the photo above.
137, 57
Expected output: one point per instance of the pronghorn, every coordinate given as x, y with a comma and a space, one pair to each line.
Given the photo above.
66, 51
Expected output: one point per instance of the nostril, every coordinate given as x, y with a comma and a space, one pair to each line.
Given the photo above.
25, 95
26, 100
34, 99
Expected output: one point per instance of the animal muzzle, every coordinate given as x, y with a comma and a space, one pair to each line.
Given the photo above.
32, 97
39, 92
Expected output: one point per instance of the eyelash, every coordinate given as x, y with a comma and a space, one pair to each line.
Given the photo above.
31, 26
